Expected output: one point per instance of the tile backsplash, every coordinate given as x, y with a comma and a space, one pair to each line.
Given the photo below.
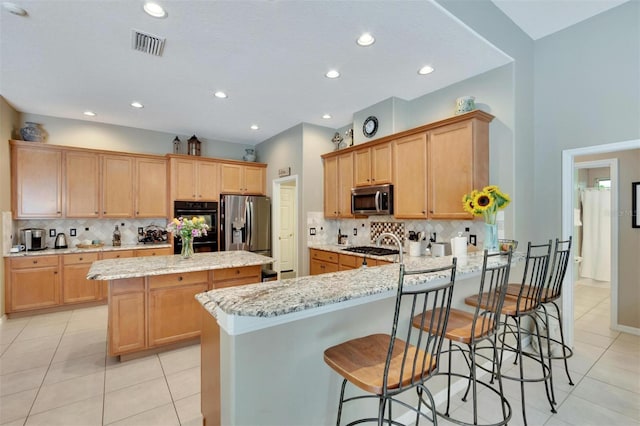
368, 229
86, 229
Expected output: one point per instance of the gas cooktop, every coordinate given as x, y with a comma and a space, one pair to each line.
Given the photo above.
375, 251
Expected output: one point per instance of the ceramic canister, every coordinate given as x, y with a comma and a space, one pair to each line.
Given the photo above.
465, 104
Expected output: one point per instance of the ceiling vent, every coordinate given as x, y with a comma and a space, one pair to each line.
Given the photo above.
147, 43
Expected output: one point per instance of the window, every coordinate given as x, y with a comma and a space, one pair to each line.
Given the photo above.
603, 183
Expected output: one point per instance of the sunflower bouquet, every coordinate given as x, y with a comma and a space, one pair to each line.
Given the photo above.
486, 202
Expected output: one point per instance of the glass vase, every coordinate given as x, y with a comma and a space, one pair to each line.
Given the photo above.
187, 248
490, 237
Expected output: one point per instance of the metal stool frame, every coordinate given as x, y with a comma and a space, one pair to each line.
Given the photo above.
408, 362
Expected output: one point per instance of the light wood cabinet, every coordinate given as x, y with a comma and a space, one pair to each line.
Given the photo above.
174, 313
31, 283
322, 262
236, 276
458, 157
158, 251
116, 254
75, 286
36, 175
194, 179
410, 177
82, 184
373, 165
151, 187
338, 180
117, 186
347, 261
242, 179
127, 331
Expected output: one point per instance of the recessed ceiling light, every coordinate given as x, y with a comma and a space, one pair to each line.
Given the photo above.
425, 70
326, 116
365, 40
332, 74
90, 113
136, 104
14, 8
254, 127
154, 9
220, 94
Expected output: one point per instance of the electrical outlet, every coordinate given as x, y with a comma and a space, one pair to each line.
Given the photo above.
312, 231
122, 224
86, 229
140, 230
472, 239
72, 232
52, 232
355, 231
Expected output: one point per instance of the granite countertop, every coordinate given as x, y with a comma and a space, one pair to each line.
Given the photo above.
74, 250
114, 269
275, 298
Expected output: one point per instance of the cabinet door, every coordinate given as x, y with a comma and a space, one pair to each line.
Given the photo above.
33, 288
410, 177
331, 190
76, 287
174, 314
231, 179
207, 181
117, 186
127, 322
319, 267
183, 175
381, 164
345, 182
254, 180
37, 174
82, 184
151, 187
362, 167
451, 170
162, 251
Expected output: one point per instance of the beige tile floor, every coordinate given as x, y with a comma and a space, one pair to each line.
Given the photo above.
54, 371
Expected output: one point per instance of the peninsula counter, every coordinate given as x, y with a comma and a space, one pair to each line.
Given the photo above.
262, 346
151, 299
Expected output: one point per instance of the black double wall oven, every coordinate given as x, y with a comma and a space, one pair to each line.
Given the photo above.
209, 211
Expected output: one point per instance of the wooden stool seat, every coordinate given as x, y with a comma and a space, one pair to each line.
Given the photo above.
361, 361
458, 327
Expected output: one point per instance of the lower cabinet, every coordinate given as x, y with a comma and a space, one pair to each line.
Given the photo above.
32, 283
76, 287
127, 316
162, 251
236, 276
322, 262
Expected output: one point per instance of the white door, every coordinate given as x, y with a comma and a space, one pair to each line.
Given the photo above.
287, 234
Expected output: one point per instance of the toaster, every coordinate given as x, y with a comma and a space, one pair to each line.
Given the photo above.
33, 238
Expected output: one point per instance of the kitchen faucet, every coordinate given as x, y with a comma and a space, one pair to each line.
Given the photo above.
394, 238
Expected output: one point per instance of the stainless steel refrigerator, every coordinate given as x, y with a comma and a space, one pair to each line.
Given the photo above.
245, 223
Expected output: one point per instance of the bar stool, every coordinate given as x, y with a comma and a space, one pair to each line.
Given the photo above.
471, 329
525, 304
386, 365
552, 292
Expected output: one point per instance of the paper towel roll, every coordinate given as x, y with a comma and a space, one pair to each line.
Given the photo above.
459, 246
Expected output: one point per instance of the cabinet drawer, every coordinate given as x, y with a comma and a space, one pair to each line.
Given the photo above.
172, 280
117, 254
154, 252
34, 262
72, 259
126, 285
233, 273
350, 261
326, 256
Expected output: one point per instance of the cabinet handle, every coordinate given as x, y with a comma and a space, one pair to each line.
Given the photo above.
194, 195
237, 271
96, 212
80, 258
430, 211
137, 212
35, 261
179, 278
104, 212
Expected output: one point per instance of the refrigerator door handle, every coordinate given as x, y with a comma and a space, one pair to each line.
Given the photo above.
248, 219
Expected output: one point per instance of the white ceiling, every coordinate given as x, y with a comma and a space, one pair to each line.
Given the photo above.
66, 57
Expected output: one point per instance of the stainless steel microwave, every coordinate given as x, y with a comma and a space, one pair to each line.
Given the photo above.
371, 200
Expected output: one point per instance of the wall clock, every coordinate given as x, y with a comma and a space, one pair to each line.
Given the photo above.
370, 126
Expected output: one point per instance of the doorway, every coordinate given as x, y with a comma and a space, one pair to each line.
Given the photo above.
569, 195
285, 235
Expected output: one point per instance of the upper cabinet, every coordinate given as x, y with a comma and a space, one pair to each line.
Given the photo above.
117, 186
431, 167
238, 178
194, 179
36, 174
373, 165
82, 184
151, 187
338, 180
458, 163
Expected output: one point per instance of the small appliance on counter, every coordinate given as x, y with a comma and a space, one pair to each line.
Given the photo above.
33, 238
61, 241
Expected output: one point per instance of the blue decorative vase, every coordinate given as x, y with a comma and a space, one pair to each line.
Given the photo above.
490, 237
32, 132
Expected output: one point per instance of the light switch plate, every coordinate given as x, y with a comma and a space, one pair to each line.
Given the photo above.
52, 232
72, 232
312, 231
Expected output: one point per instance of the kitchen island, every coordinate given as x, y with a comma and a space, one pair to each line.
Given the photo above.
262, 346
151, 299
